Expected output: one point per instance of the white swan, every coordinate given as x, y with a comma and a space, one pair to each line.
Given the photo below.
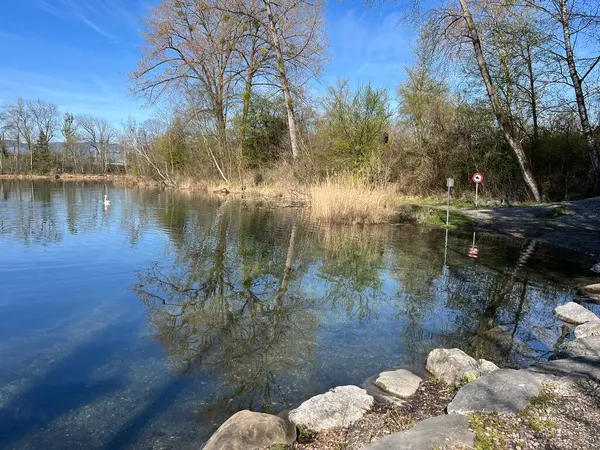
106, 200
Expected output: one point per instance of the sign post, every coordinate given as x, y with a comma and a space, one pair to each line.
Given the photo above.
450, 184
477, 179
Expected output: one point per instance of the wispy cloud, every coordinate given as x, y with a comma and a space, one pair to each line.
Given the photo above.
49, 8
95, 27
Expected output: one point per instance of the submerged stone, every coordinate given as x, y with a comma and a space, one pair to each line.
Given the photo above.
436, 432
591, 289
401, 383
590, 293
505, 391
573, 313
449, 365
247, 430
340, 407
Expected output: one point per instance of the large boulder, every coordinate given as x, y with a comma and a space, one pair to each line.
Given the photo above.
588, 329
567, 371
505, 391
247, 430
401, 383
573, 313
340, 407
596, 268
449, 365
583, 347
436, 432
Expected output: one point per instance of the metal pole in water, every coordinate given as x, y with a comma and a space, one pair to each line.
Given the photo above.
476, 192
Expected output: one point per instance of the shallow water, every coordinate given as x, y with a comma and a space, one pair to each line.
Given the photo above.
147, 323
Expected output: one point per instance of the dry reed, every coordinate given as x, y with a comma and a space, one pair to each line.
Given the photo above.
343, 200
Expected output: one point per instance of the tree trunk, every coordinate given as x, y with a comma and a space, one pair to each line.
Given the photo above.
247, 97
580, 98
533, 95
285, 86
501, 117
289, 263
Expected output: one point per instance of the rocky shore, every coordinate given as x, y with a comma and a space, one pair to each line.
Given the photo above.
464, 404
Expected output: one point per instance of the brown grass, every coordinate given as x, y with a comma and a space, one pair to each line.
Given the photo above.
343, 200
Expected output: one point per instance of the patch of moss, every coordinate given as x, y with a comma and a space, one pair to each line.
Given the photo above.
305, 434
467, 378
535, 411
280, 447
491, 433
456, 220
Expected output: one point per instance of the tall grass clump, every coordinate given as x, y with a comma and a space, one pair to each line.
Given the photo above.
344, 200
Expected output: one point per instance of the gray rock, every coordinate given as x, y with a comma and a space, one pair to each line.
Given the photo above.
436, 432
504, 390
247, 430
583, 347
449, 365
401, 383
573, 313
493, 203
379, 395
590, 293
587, 330
340, 407
567, 371
596, 268
486, 367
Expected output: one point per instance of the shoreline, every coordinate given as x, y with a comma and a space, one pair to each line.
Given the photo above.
463, 403
574, 225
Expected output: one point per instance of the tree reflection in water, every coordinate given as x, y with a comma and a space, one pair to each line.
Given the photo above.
226, 306
252, 294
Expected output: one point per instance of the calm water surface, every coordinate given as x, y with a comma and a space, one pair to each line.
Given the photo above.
147, 323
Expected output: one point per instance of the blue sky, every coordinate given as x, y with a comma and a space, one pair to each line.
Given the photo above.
78, 53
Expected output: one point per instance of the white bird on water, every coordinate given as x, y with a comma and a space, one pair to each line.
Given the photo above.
106, 200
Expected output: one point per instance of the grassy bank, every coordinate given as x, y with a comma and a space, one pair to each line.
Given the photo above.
336, 200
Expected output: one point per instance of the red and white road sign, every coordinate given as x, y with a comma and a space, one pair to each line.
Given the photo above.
477, 178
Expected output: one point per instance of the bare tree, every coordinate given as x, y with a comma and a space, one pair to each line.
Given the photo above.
99, 135
141, 141
572, 24
45, 117
24, 126
461, 24
293, 30
189, 47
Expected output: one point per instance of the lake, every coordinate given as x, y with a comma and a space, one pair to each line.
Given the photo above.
147, 323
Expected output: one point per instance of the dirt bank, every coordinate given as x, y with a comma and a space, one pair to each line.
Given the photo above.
574, 225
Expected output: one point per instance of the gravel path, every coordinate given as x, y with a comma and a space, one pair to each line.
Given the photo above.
574, 225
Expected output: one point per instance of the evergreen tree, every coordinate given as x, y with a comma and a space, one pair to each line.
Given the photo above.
42, 158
